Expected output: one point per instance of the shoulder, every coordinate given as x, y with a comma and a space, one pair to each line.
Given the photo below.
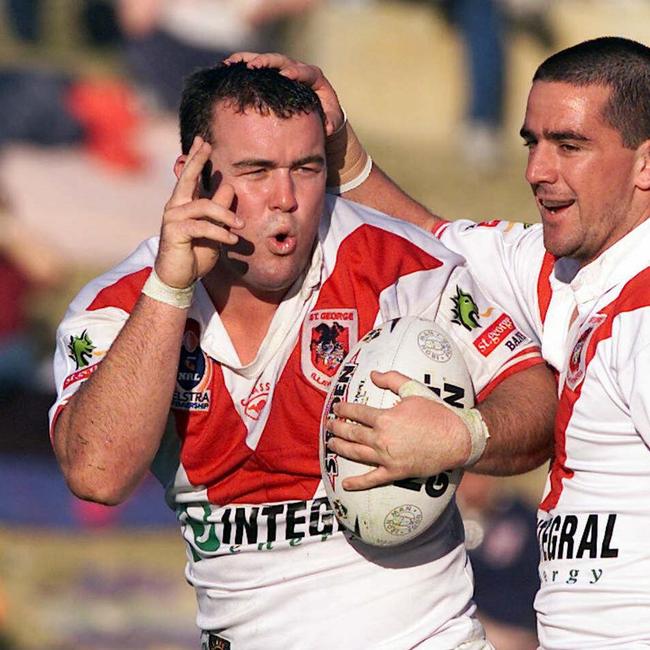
496, 234
630, 312
356, 227
120, 286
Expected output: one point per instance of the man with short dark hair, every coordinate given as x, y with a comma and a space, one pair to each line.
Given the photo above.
254, 269
587, 129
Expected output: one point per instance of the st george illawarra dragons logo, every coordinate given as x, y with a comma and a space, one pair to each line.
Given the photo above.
327, 337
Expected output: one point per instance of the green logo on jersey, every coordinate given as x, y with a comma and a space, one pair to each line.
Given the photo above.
81, 349
204, 533
465, 310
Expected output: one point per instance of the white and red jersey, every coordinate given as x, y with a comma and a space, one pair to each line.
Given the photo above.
594, 518
270, 563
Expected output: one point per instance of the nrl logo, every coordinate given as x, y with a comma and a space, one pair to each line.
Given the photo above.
80, 349
465, 310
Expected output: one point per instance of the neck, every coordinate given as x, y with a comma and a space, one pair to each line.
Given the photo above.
246, 315
630, 226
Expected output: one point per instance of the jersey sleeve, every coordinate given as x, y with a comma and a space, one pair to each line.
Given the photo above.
93, 321
492, 343
510, 260
390, 260
418, 292
422, 277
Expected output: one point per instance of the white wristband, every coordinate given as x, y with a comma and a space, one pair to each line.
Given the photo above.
478, 431
155, 288
355, 182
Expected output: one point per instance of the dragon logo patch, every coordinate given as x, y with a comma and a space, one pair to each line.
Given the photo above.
80, 349
465, 310
327, 337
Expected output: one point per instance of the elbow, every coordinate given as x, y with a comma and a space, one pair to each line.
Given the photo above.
93, 485
90, 473
531, 462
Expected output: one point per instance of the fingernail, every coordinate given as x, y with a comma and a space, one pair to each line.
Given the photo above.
238, 223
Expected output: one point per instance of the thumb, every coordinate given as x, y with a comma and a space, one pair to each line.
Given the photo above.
391, 380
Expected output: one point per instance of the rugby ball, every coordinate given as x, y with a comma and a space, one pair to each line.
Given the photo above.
393, 514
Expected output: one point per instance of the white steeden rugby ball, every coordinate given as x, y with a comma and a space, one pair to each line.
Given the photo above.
396, 513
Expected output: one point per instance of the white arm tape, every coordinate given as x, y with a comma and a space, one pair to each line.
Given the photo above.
478, 431
155, 288
355, 182
345, 154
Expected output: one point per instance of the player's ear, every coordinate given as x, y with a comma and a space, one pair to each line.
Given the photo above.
643, 166
179, 164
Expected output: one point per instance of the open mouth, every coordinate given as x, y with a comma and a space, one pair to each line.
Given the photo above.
282, 243
555, 206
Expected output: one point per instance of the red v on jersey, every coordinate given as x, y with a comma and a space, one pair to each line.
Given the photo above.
284, 464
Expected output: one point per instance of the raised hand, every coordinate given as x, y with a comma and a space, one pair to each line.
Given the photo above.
194, 226
415, 438
305, 73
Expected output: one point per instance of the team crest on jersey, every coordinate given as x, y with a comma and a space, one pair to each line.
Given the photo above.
577, 360
327, 337
194, 372
210, 641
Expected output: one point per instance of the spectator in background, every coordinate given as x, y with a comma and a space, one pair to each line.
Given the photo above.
480, 24
501, 539
95, 20
26, 263
24, 18
166, 40
47, 108
483, 27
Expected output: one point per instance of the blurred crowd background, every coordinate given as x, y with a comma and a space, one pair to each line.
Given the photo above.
88, 93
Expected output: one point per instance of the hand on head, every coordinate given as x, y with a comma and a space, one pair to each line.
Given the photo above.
310, 75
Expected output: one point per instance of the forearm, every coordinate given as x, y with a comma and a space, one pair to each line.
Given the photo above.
519, 414
108, 434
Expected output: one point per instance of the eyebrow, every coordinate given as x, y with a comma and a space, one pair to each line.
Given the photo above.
270, 164
555, 136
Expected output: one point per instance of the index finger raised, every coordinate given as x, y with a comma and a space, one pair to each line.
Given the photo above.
188, 180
